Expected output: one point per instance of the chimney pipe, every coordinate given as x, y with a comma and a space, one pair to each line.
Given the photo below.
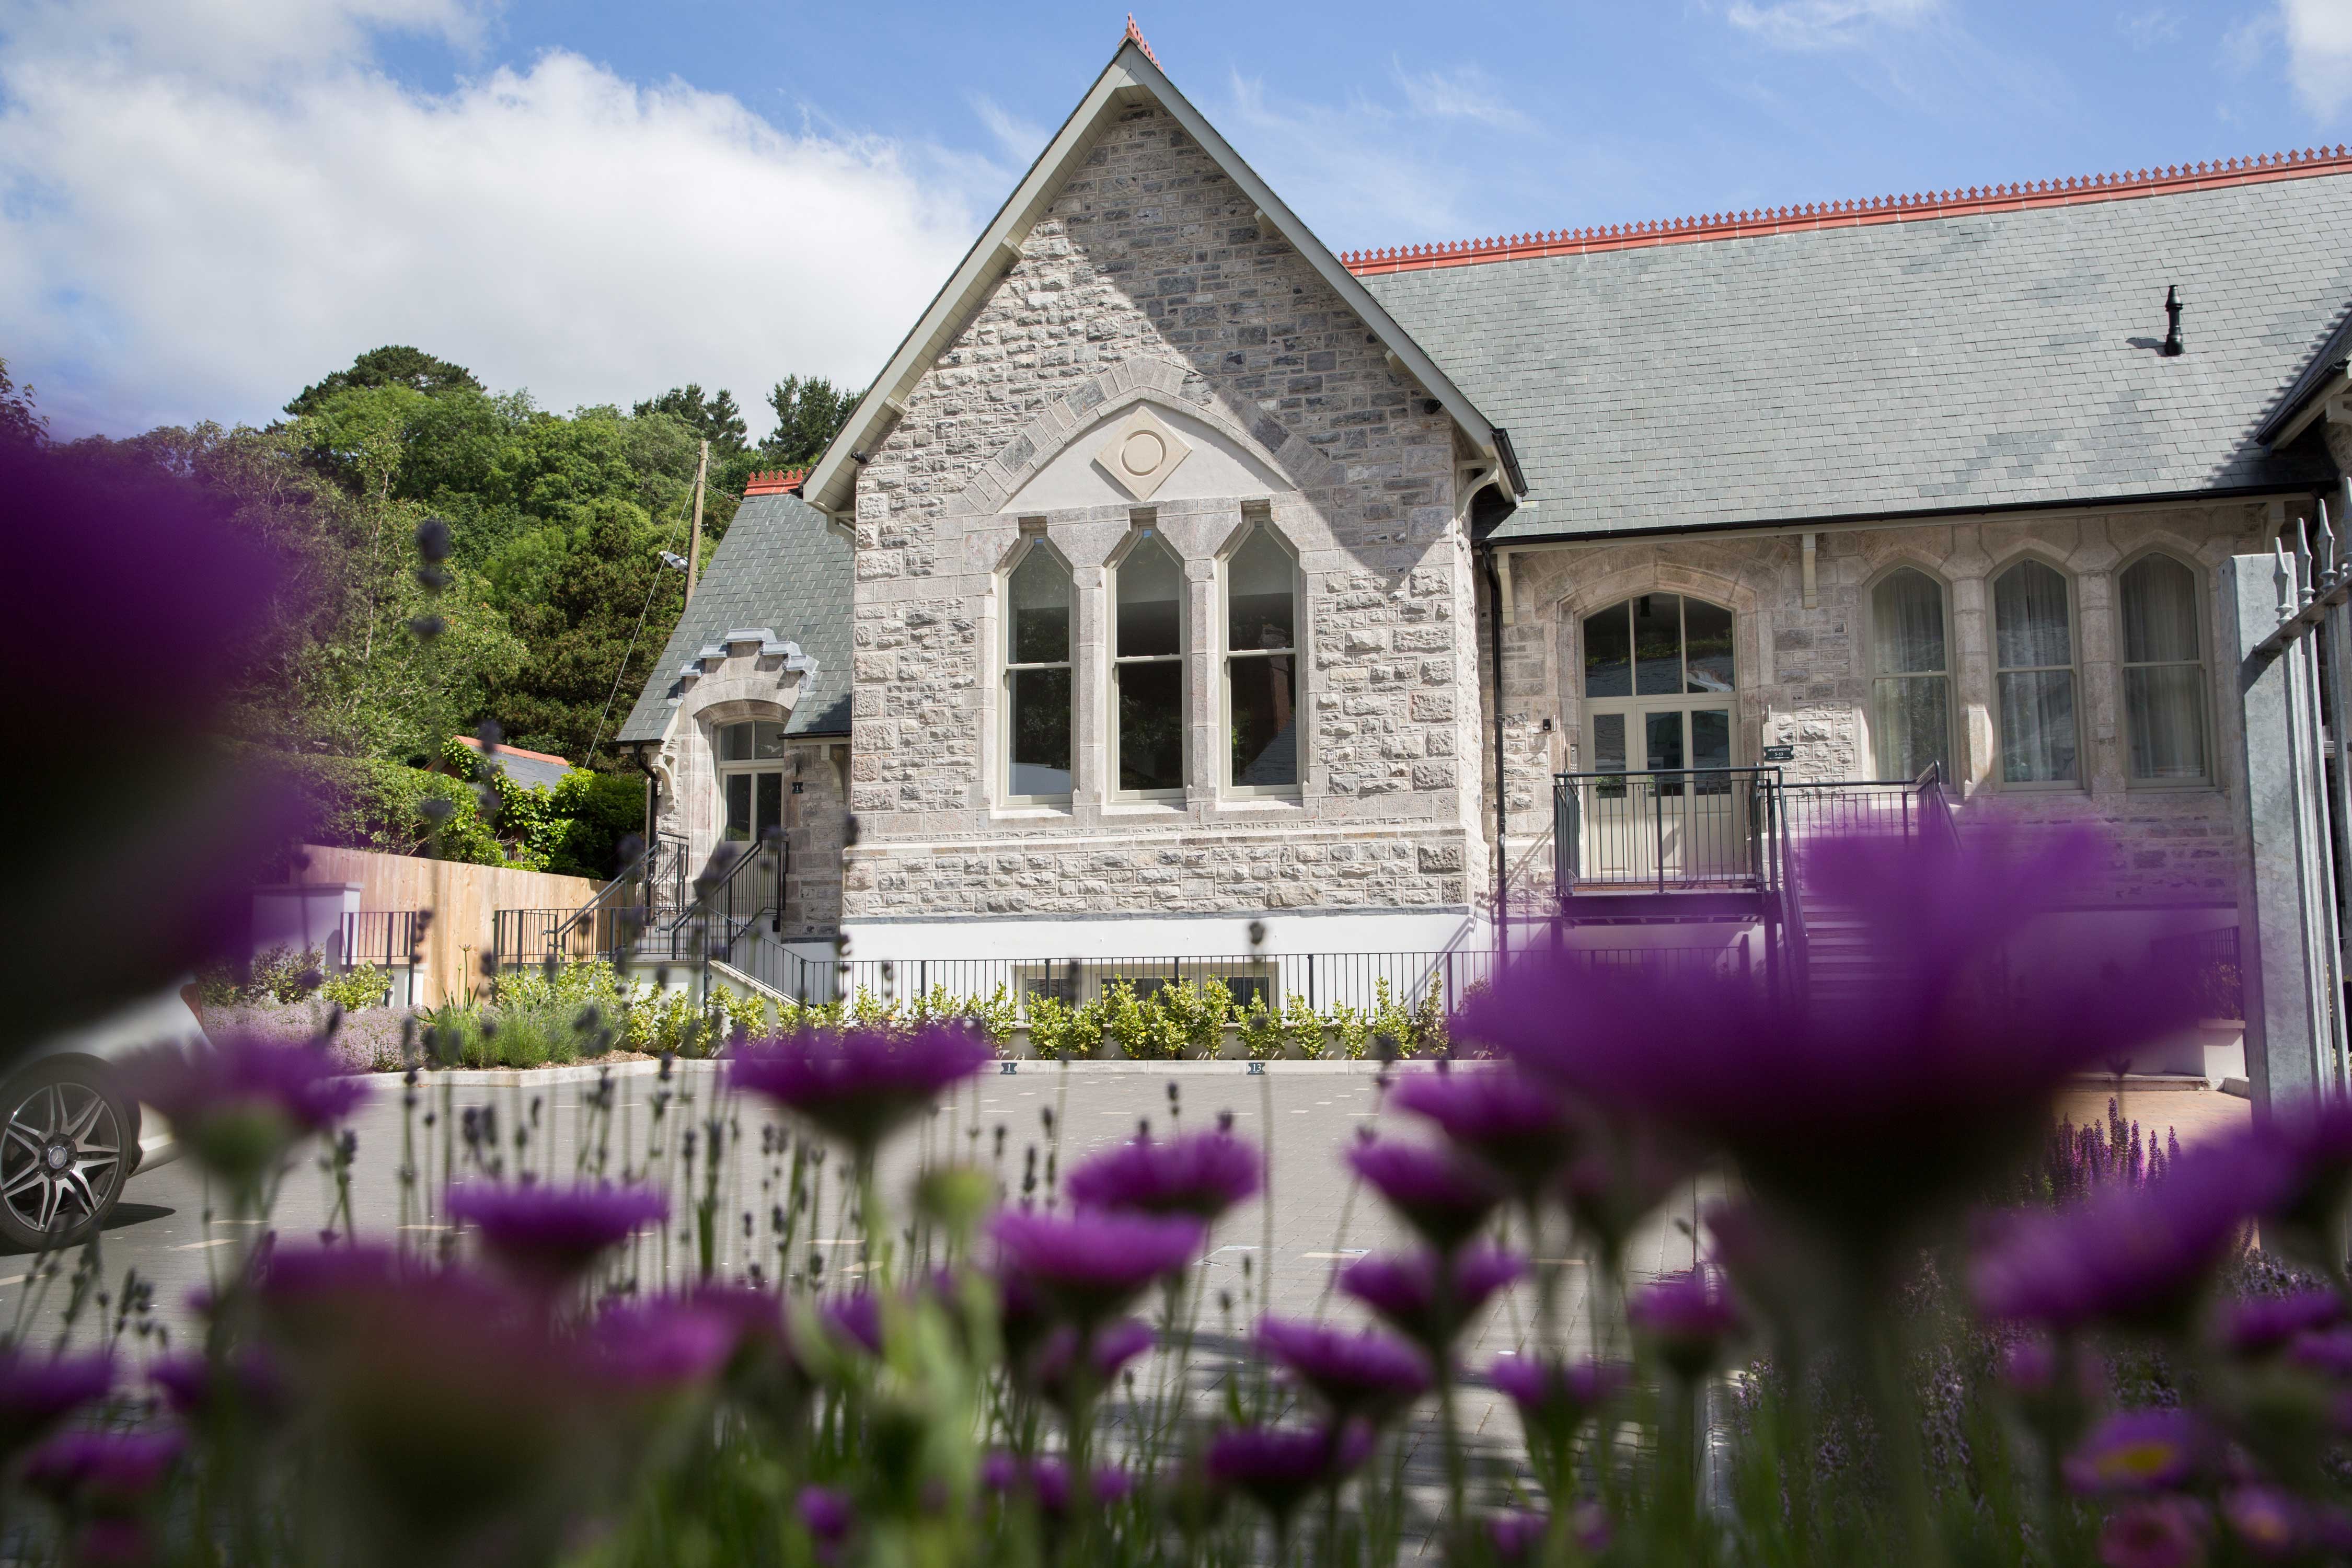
2171, 349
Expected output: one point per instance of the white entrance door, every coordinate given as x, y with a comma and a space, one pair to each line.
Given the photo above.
1658, 684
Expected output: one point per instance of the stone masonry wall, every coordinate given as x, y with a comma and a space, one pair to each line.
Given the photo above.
1147, 280
1803, 680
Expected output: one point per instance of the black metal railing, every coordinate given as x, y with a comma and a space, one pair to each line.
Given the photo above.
1668, 830
388, 939
650, 890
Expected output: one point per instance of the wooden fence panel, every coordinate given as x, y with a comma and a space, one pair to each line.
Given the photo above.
463, 899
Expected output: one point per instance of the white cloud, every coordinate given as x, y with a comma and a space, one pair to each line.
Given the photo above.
1827, 24
1465, 92
1016, 138
2146, 29
2318, 35
182, 239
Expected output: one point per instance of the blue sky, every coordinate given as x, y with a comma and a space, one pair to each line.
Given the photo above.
206, 203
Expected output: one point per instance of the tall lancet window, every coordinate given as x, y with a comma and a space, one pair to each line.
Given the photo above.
1037, 690
2034, 659
1910, 677
1148, 668
1262, 664
2164, 672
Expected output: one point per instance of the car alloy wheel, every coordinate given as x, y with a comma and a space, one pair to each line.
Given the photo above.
61, 1157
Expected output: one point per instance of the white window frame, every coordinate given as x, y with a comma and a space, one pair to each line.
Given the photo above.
784, 763
1138, 538
2202, 663
1006, 668
2080, 781
1633, 708
1872, 674
1255, 520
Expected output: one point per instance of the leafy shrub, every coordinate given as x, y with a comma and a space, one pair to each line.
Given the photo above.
1061, 1032
1261, 1031
1302, 1029
274, 974
1198, 1016
362, 985
1142, 1026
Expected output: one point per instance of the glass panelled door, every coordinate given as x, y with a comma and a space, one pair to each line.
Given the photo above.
1657, 688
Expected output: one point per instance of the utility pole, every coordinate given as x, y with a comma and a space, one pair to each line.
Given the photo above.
694, 538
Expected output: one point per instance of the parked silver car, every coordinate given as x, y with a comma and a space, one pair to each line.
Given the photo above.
72, 1136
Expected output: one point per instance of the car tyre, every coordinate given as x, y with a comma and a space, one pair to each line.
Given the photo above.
69, 1142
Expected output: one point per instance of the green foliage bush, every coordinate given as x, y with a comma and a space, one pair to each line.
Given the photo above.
275, 975
362, 985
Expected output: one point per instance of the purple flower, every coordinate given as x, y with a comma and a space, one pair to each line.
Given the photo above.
1517, 1536
2327, 1350
101, 1472
1202, 1175
2270, 1521
1861, 1118
2150, 1450
856, 1085
1110, 1348
1047, 1482
1624, 1173
1442, 1195
2137, 1255
2265, 1323
1427, 1298
1518, 1123
242, 1103
151, 831
2155, 1533
550, 1236
1555, 1398
39, 1391
854, 1317
1281, 1467
1090, 1267
1687, 1318
1365, 1375
2315, 1139
825, 1513
661, 1344
199, 1388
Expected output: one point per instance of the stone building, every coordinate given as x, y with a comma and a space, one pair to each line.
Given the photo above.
1159, 583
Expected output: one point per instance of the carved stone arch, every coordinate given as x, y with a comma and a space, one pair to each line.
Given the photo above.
1140, 379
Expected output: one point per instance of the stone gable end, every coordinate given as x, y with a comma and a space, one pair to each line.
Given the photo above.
1147, 283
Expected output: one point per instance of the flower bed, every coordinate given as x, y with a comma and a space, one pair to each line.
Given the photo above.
1930, 1328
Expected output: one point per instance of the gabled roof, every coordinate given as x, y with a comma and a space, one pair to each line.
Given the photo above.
2005, 355
781, 569
1132, 77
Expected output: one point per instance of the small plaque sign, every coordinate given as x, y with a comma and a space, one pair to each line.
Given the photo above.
1781, 753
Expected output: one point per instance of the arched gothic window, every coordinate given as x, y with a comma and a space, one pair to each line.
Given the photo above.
1910, 676
1037, 687
2164, 671
2033, 662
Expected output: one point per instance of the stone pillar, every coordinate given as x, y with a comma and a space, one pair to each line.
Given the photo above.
1090, 673
2287, 1021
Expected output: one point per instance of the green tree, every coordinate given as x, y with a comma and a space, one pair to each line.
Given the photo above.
716, 420
809, 413
19, 422
396, 365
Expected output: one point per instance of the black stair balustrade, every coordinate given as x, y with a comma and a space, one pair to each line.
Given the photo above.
1666, 830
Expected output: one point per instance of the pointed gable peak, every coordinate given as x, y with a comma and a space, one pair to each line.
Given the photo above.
1135, 35
1133, 78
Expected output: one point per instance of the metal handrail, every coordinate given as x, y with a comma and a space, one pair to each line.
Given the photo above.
720, 899
1568, 836
642, 871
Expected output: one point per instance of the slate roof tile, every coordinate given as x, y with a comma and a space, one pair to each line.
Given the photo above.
1995, 359
780, 568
